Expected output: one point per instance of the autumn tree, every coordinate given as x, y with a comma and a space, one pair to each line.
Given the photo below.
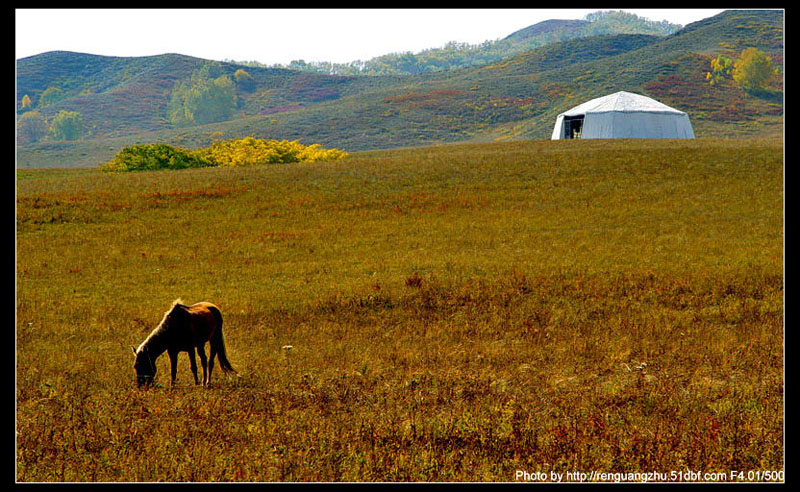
50, 96
67, 125
31, 127
721, 68
27, 105
753, 70
203, 99
244, 80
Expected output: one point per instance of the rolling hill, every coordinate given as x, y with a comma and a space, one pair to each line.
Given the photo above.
124, 100
461, 55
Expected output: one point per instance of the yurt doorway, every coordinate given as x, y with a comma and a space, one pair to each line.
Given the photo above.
573, 125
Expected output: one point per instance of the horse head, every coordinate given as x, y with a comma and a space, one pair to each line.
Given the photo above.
144, 366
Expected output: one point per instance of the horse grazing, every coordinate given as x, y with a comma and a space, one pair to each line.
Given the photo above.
183, 329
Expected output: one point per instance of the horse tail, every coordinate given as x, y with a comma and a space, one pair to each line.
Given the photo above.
219, 342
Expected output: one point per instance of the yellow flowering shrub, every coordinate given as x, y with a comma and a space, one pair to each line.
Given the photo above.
251, 151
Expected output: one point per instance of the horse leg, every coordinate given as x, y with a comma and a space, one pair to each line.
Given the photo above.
201, 351
213, 353
193, 363
173, 365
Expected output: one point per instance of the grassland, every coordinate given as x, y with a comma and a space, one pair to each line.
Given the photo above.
455, 312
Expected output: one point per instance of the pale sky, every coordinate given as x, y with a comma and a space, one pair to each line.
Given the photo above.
274, 36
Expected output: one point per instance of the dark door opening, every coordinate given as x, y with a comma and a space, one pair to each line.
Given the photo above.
573, 125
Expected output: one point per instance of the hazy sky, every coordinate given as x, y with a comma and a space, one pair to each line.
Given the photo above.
280, 35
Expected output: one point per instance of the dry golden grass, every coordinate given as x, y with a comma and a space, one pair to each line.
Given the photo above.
455, 313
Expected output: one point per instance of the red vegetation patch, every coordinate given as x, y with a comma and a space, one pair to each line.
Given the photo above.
313, 88
414, 281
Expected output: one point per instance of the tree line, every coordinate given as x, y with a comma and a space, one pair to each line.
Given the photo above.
32, 126
455, 54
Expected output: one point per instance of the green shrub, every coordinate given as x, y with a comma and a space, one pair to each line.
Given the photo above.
154, 156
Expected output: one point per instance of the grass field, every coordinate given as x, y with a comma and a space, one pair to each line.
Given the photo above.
456, 313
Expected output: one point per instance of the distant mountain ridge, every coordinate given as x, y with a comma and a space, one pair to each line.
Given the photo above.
546, 27
461, 55
124, 100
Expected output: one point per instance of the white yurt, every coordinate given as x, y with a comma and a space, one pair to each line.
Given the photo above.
622, 115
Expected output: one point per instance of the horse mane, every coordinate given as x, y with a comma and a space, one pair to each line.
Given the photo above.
177, 303
161, 328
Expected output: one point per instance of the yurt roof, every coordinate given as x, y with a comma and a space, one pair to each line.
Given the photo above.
621, 102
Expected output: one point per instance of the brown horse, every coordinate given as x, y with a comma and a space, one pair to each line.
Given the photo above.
183, 329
